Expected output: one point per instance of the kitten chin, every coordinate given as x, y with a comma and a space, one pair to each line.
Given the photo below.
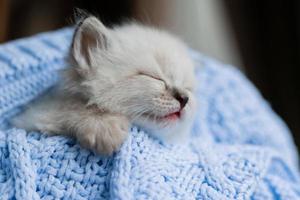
118, 76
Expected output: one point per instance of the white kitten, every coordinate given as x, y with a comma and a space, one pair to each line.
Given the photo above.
128, 74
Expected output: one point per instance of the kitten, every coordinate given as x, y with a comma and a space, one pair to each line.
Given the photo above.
129, 74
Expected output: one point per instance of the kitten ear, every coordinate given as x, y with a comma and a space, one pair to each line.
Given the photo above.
90, 38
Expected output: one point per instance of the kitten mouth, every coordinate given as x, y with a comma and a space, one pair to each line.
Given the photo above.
169, 117
172, 116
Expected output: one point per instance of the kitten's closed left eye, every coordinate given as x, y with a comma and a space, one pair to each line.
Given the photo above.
151, 76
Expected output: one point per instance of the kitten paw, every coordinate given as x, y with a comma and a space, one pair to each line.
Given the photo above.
106, 135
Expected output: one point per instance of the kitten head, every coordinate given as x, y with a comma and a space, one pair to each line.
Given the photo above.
140, 72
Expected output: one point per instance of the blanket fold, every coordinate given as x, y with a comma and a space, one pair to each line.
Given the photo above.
239, 148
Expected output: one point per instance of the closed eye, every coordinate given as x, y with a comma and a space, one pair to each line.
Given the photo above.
151, 76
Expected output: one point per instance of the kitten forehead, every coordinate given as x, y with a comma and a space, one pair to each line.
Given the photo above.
156, 52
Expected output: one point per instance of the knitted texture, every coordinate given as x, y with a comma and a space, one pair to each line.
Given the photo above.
239, 148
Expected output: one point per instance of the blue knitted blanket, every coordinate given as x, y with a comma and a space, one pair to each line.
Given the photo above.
239, 148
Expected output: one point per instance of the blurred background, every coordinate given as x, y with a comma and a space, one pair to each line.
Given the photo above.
262, 38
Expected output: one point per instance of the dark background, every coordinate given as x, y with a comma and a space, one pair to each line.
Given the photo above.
267, 34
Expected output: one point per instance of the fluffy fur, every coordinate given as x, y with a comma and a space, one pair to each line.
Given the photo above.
127, 74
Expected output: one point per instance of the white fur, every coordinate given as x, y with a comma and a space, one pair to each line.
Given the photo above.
118, 76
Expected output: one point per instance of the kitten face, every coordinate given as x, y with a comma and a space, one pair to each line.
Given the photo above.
142, 73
